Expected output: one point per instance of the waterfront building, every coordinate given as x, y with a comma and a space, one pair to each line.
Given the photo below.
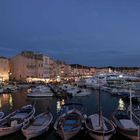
103, 70
82, 71
65, 71
46, 67
92, 71
30, 66
53, 69
4, 69
27, 64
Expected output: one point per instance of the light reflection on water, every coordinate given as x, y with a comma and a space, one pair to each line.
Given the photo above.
10, 102
59, 104
6, 101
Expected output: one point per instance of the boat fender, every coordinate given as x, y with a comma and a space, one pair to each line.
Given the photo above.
14, 123
85, 116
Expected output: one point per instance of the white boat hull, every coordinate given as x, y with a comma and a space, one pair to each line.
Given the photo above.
9, 130
100, 137
96, 131
31, 130
37, 95
33, 134
130, 136
64, 134
68, 135
12, 125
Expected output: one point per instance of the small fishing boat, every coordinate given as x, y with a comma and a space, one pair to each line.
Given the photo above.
15, 120
1, 115
126, 122
69, 123
37, 125
99, 127
126, 125
40, 94
40, 91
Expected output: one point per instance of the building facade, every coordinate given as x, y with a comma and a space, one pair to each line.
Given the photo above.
27, 64
4, 69
30, 66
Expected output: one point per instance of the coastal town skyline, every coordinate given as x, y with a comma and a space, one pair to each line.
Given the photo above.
92, 33
69, 69
76, 65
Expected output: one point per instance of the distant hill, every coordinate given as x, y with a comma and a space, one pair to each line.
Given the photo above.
121, 68
111, 67
79, 66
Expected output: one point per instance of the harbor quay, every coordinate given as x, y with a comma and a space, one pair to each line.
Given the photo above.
43, 98
96, 98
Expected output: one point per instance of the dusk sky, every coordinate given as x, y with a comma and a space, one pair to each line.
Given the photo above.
88, 32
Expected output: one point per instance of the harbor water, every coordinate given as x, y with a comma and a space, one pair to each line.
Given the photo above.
12, 101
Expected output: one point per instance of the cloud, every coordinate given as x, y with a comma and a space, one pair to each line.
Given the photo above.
7, 49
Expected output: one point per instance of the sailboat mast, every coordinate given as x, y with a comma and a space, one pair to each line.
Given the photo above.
130, 104
99, 107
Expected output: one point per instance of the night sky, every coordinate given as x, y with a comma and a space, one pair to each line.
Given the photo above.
88, 32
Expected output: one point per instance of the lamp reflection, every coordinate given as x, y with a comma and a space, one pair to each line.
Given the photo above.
6, 99
121, 104
11, 101
59, 104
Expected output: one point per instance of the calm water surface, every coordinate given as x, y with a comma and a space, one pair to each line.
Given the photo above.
10, 102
